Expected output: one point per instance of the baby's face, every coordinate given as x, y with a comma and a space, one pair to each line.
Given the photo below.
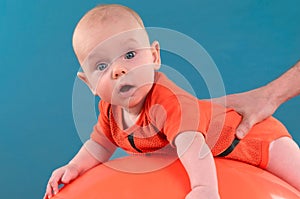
120, 64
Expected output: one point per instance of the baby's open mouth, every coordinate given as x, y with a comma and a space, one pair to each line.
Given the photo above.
126, 88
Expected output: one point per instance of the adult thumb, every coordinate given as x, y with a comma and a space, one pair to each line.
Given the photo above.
243, 128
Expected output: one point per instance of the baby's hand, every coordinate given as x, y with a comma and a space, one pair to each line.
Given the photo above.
62, 175
203, 193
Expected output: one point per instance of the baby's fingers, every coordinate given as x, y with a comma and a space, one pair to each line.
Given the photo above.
67, 177
70, 174
52, 186
49, 192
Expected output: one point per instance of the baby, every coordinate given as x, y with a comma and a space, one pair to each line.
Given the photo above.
142, 111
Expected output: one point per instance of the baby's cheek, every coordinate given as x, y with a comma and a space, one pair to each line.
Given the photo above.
101, 87
104, 93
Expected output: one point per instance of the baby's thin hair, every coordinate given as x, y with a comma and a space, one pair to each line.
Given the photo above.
103, 11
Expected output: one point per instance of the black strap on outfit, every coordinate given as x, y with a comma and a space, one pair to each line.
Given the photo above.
131, 141
230, 148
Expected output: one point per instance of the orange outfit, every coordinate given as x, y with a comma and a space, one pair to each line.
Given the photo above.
169, 110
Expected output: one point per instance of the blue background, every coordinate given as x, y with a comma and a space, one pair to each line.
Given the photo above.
251, 41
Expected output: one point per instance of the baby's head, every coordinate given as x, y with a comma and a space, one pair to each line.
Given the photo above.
91, 30
113, 49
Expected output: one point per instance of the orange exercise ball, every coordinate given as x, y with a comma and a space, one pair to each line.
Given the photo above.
136, 177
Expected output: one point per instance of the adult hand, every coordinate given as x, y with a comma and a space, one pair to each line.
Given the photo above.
62, 175
255, 106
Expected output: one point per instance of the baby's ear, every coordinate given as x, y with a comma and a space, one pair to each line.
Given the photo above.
156, 54
83, 78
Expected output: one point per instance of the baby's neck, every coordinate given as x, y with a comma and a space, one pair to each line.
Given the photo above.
131, 115
129, 118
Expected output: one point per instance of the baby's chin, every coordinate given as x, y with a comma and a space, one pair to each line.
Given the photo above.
134, 102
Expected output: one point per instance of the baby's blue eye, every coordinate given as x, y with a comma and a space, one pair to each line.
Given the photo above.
102, 66
130, 55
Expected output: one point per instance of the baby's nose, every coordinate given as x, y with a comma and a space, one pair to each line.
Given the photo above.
118, 71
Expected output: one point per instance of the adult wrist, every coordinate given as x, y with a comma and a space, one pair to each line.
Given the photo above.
285, 87
274, 94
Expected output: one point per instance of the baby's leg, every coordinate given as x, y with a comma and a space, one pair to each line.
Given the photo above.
284, 160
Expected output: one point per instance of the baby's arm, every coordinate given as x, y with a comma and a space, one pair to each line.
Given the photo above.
198, 161
90, 155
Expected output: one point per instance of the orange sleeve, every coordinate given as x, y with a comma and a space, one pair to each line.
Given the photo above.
101, 131
183, 113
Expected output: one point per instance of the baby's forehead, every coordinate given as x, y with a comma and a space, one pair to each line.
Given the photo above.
120, 43
125, 37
